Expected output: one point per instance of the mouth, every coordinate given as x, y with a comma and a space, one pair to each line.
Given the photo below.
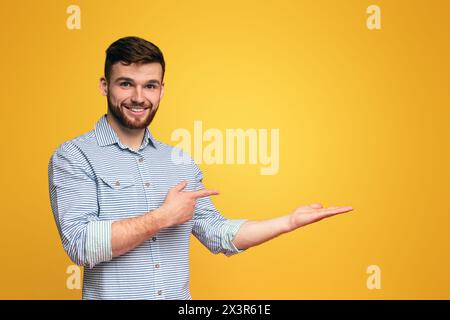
136, 111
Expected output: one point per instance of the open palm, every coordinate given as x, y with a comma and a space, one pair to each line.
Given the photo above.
312, 213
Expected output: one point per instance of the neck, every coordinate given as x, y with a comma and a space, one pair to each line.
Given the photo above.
129, 137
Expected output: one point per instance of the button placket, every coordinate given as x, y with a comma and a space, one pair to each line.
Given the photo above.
158, 278
143, 174
156, 257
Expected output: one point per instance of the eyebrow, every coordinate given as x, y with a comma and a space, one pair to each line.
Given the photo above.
131, 80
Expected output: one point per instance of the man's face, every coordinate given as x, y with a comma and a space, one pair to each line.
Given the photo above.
134, 93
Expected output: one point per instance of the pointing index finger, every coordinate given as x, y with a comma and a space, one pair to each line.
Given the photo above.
204, 193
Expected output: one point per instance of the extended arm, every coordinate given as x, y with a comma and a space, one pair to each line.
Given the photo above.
253, 233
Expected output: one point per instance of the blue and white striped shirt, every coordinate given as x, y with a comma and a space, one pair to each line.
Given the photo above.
95, 180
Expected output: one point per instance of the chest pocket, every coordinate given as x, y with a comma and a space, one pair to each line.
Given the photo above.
117, 196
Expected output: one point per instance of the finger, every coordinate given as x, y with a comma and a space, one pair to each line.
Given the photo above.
339, 208
203, 193
334, 210
180, 186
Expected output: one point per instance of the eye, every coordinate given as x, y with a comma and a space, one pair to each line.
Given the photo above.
151, 86
125, 84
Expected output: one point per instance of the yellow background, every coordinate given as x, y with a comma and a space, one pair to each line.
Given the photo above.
363, 118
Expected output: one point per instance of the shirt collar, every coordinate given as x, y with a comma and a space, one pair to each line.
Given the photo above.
107, 136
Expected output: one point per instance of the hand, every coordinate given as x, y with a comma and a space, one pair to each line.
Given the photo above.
179, 205
315, 212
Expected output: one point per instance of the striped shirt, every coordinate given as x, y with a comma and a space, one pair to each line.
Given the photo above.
95, 180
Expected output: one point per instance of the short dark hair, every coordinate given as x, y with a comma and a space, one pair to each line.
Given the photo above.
130, 50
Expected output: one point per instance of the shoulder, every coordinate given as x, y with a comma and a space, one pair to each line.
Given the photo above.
73, 148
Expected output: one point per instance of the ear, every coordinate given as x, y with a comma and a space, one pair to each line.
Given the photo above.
103, 85
162, 91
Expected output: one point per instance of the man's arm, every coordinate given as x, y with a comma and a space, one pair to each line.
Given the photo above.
253, 233
178, 208
129, 233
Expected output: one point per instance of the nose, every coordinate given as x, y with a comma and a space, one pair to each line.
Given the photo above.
137, 96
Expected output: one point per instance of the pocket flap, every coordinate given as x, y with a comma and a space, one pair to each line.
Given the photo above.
118, 181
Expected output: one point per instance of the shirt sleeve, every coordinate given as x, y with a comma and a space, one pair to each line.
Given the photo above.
213, 230
73, 196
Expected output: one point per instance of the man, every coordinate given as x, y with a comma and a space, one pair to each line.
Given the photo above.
125, 210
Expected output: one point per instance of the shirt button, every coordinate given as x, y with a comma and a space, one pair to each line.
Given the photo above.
159, 292
117, 183
147, 184
141, 159
154, 239
157, 265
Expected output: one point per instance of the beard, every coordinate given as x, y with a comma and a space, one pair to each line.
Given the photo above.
130, 122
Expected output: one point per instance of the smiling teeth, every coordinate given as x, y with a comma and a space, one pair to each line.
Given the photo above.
136, 110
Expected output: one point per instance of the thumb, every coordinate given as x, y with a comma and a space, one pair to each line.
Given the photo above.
180, 186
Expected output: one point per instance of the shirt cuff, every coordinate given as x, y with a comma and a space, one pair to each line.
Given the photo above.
98, 242
228, 232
